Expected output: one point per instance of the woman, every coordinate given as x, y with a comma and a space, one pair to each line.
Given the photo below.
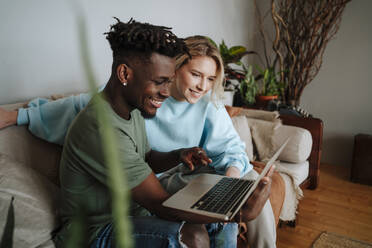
191, 116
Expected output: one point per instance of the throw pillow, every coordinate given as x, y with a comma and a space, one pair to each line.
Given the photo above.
241, 126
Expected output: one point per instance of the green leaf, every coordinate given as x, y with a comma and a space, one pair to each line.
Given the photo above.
78, 233
212, 41
235, 50
7, 238
116, 177
261, 71
248, 87
223, 48
266, 75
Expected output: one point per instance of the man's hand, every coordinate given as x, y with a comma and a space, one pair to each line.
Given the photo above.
194, 156
253, 206
232, 171
8, 118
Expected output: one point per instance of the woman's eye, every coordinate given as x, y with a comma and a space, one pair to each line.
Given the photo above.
211, 80
195, 74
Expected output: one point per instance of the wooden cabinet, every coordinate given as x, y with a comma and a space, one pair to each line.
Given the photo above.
361, 168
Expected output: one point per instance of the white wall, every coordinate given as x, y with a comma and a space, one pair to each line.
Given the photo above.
341, 93
39, 47
39, 54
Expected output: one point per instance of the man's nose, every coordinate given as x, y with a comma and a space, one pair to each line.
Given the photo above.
165, 90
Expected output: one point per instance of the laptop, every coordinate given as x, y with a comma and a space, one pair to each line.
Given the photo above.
217, 196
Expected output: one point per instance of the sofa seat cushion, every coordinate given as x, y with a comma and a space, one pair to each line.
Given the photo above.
298, 171
35, 203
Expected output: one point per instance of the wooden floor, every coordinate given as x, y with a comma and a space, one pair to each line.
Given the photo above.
336, 206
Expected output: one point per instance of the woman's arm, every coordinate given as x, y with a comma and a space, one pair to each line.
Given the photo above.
49, 120
223, 144
8, 118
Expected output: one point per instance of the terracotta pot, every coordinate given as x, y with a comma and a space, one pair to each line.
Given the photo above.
262, 101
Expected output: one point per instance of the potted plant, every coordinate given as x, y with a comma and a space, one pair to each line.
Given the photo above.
248, 87
269, 86
302, 30
234, 68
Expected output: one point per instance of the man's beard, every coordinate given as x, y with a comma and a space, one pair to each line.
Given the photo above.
147, 115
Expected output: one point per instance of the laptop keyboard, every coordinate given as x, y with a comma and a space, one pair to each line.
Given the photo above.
223, 196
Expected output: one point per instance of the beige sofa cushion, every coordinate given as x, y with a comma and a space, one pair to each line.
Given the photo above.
269, 136
35, 203
241, 126
299, 146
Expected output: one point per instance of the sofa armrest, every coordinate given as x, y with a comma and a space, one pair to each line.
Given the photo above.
315, 127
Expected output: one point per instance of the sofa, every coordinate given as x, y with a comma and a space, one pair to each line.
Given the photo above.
29, 174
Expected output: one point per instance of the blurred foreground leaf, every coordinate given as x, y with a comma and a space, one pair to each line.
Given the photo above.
116, 178
78, 235
7, 237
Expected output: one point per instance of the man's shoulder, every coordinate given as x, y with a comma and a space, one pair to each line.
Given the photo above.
89, 116
85, 122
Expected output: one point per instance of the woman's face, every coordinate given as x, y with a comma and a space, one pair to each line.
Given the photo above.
194, 79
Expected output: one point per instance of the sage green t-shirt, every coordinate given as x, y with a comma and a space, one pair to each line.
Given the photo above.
83, 170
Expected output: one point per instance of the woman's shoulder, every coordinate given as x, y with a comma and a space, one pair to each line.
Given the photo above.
212, 106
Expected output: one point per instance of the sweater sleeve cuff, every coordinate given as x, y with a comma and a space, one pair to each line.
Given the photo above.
243, 169
236, 165
22, 118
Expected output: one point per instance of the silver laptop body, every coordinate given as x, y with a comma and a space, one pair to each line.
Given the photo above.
186, 198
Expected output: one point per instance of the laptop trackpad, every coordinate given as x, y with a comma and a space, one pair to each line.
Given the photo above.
198, 189
201, 184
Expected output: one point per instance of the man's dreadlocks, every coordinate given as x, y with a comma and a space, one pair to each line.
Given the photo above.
142, 39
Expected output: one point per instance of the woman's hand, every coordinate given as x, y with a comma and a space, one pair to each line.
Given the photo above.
8, 118
194, 156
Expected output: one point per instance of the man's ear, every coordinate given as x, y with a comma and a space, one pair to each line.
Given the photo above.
124, 73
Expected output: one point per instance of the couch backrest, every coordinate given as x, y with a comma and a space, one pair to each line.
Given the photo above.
19, 144
268, 134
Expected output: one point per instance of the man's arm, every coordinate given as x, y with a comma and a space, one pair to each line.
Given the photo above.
8, 117
150, 194
163, 161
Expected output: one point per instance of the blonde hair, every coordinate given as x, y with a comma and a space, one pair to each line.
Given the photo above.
201, 46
